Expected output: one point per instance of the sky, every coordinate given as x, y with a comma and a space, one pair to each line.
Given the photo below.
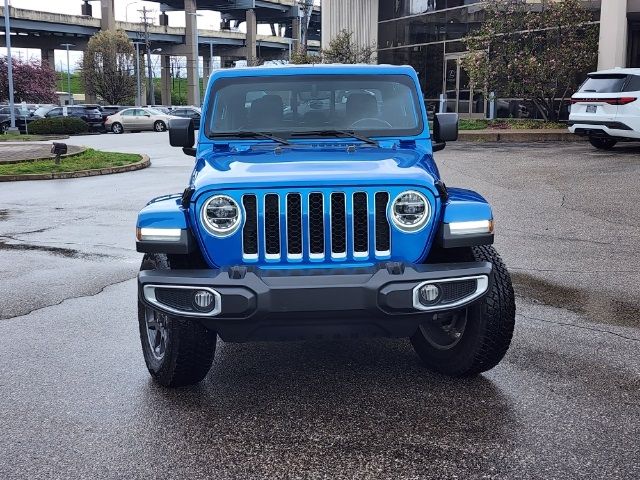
124, 10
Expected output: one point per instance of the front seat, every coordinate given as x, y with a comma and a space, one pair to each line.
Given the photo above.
359, 106
266, 112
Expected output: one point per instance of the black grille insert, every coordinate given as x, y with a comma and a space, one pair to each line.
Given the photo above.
316, 224
383, 241
176, 298
454, 291
294, 224
360, 223
272, 224
250, 231
338, 223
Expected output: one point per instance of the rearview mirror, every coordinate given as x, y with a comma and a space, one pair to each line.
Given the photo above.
181, 133
445, 129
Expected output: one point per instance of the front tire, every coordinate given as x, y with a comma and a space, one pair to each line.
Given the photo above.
159, 126
475, 339
177, 351
603, 143
117, 128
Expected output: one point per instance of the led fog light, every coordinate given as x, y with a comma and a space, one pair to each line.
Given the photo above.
203, 300
428, 294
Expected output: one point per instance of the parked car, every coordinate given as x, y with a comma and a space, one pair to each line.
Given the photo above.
606, 108
334, 223
188, 112
137, 119
42, 110
22, 118
91, 116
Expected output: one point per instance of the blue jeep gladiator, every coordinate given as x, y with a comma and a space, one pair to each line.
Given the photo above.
315, 210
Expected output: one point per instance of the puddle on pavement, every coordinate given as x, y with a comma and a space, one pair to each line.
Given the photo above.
598, 309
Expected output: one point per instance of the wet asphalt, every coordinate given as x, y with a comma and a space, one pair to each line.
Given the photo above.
76, 400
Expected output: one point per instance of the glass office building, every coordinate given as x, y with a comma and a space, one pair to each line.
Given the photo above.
427, 35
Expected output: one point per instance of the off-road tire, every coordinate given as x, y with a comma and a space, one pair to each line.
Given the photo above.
489, 328
603, 143
159, 126
190, 347
117, 128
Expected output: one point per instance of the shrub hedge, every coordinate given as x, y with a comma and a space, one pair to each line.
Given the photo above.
58, 125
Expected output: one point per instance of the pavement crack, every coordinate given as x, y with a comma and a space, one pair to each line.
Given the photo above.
95, 294
581, 327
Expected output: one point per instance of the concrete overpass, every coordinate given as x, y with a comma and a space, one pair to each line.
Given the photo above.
46, 31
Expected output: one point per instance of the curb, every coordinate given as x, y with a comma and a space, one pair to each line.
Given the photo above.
518, 136
144, 162
43, 138
31, 160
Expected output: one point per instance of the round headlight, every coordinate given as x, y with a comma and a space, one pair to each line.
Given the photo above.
221, 215
410, 211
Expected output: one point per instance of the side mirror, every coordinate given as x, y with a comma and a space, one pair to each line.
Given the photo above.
181, 132
445, 129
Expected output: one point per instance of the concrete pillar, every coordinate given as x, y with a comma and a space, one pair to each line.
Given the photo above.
191, 41
296, 32
612, 51
86, 9
165, 79
252, 32
108, 20
47, 57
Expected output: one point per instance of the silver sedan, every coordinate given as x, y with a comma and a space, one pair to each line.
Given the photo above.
137, 119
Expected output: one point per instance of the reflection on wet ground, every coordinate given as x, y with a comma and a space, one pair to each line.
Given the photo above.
598, 308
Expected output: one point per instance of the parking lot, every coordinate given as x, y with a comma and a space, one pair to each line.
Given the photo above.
76, 400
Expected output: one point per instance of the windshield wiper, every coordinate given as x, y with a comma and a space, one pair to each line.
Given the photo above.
336, 133
246, 134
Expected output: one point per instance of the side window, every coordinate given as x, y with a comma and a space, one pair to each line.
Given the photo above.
4, 111
140, 112
56, 112
127, 113
633, 85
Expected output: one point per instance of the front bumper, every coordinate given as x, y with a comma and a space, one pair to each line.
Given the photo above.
255, 304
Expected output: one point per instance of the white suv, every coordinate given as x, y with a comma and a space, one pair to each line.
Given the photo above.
607, 107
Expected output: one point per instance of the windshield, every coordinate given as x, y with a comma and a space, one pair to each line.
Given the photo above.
373, 105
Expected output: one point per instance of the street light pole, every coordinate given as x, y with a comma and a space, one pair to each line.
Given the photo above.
197, 59
68, 71
138, 86
7, 29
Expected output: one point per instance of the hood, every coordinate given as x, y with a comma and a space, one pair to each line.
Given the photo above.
300, 167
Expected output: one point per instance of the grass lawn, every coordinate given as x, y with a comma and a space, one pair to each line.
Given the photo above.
10, 137
508, 124
88, 160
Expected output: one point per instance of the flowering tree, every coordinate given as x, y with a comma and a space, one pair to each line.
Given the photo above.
108, 67
33, 82
533, 51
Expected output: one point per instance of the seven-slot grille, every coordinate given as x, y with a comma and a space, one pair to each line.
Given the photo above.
316, 226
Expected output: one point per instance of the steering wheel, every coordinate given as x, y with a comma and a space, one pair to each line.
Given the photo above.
375, 121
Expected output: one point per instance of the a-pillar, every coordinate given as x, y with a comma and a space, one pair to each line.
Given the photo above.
612, 51
47, 57
165, 79
191, 39
252, 33
108, 19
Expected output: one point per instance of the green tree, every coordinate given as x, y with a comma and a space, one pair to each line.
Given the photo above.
533, 51
108, 67
343, 49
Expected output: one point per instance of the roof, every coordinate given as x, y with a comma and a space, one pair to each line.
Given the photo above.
335, 69
618, 70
